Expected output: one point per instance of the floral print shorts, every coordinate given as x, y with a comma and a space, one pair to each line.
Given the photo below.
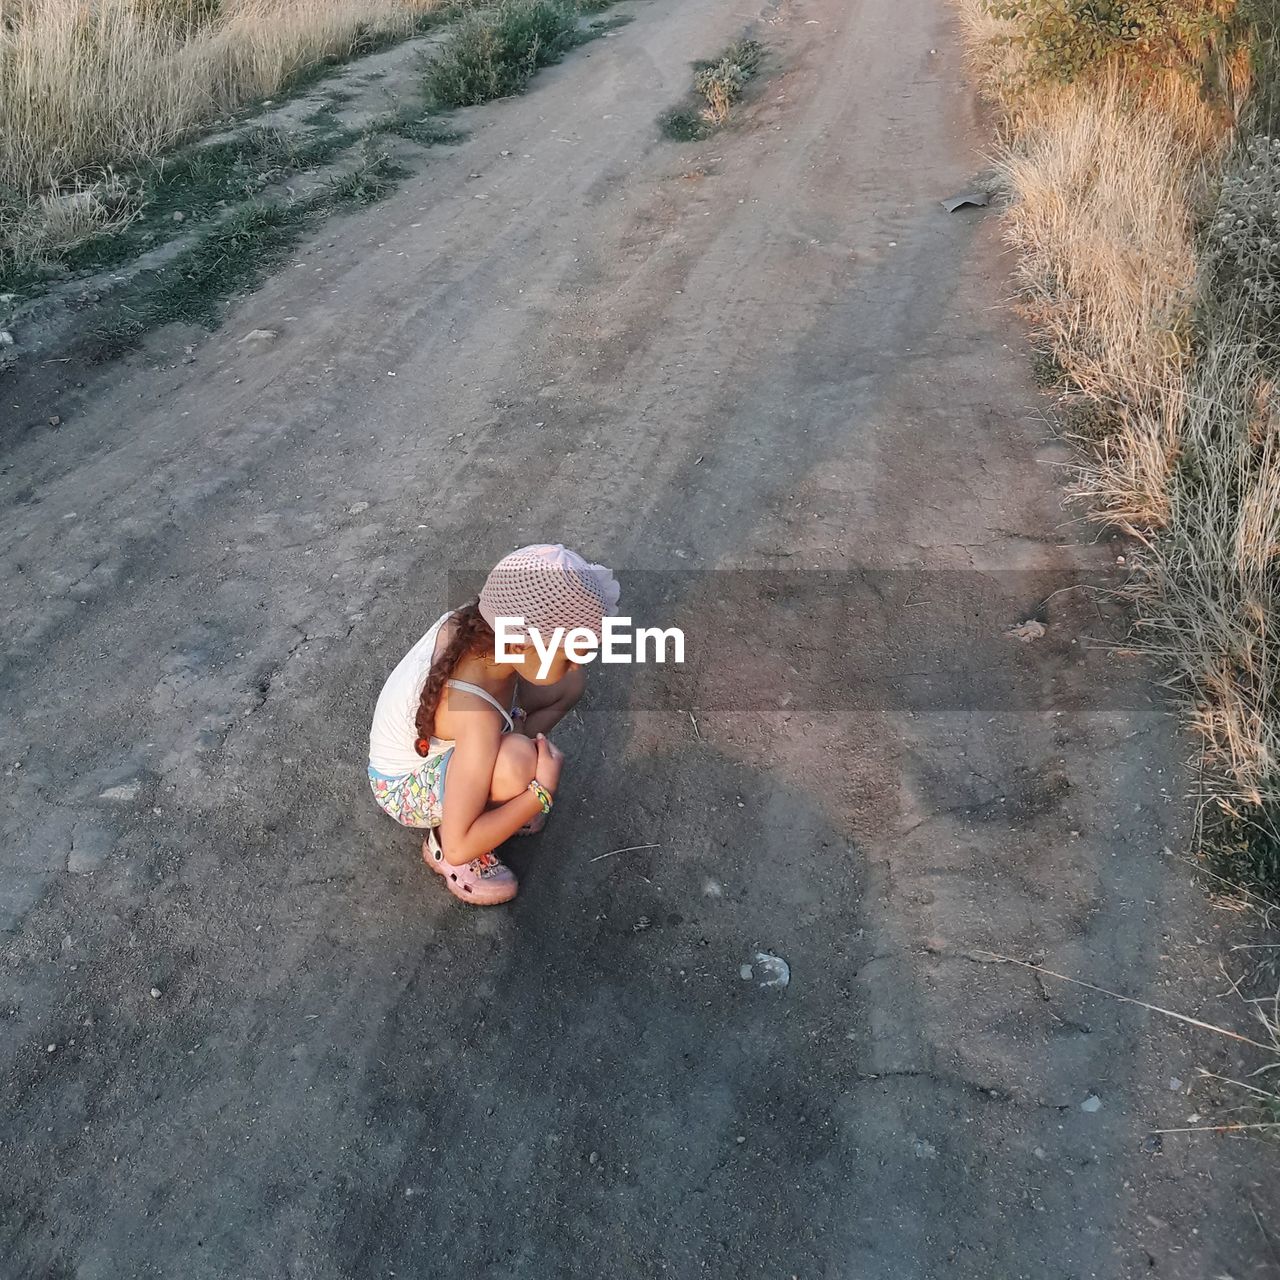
413, 799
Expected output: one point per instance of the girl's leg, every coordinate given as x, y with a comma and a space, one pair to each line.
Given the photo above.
545, 705
487, 881
514, 769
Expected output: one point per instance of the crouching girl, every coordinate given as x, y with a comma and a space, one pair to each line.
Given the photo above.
459, 740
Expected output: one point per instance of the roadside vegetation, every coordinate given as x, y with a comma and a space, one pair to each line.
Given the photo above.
717, 85
101, 104
233, 256
91, 89
1138, 149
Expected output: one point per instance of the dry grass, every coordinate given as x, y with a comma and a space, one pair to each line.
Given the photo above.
1106, 189
1111, 185
1208, 590
34, 231
90, 83
993, 63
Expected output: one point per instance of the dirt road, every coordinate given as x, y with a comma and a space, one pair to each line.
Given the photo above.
770, 352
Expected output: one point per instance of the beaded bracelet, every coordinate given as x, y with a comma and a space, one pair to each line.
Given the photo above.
544, 796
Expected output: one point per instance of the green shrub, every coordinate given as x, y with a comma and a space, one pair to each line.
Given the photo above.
493, 55
1068, 40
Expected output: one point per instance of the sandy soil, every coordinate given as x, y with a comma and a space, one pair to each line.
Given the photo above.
774, 384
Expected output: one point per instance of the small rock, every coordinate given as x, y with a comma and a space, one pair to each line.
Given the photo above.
53, 1048
259, 336
745, 972
54, 420
179, 217
126, 791
357, 507
1175, 1084
1091, 1103
740, 1139
6, 338
924, 1150
774, 970
155, 993
593, 1158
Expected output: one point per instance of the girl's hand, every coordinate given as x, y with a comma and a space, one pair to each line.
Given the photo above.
550, 761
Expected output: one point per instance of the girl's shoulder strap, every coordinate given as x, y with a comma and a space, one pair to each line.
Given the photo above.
467, 687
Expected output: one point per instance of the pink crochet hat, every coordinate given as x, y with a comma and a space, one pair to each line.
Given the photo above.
549, 586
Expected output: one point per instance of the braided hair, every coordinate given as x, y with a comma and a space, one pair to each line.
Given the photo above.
471, 634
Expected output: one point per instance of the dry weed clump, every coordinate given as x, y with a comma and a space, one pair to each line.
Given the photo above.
718, 83
721, 82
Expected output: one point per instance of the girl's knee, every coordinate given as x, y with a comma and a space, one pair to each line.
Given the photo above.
515, 767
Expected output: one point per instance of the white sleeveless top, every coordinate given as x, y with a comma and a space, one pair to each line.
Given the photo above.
394, 730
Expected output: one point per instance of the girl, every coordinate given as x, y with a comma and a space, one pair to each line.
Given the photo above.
474, 765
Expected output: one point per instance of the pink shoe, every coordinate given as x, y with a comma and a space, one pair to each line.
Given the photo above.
485, 881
